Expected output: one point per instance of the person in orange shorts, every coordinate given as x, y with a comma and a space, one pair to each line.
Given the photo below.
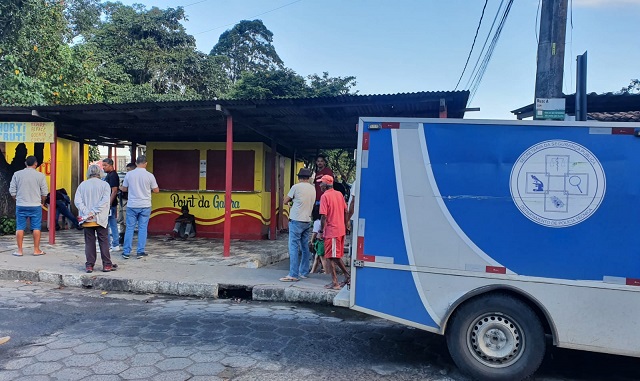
334, 212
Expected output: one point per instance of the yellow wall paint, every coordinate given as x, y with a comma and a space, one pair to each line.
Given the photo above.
65, 151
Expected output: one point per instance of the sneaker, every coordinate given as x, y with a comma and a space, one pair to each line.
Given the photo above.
125, 256
107, 268
114, 248
89, 268
140, 255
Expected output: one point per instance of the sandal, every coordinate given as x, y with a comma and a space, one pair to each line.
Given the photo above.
333, 287
288, 279
346, 282
40, 253
16, 254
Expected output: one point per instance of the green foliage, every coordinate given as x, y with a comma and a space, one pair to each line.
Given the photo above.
326, 86
7, 225
342, 164
248, 47
633, 88
269, 84
94, 153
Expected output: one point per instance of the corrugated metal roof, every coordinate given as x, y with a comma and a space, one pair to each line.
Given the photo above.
629, 116
608, 102
294, 123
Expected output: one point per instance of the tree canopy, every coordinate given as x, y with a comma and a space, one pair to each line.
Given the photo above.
86, 51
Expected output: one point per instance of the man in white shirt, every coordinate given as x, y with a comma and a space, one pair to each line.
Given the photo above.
139, 184
29, 188
303, 196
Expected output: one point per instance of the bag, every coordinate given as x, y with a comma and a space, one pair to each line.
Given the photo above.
319, 246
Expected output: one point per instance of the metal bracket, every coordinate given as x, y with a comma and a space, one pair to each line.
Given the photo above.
358, 263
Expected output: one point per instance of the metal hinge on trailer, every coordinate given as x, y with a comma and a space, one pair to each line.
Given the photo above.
358, 263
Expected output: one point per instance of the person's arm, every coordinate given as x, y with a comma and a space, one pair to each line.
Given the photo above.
44, 189
287, 199
125, 183
323, 222
114, 193
154, 185
13, 187
352, 207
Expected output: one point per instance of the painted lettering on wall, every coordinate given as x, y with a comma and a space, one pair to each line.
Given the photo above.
22, 132
201, 201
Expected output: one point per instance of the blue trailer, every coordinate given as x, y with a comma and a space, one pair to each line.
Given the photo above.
500, 235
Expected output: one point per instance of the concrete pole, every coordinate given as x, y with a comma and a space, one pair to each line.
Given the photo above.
553, 30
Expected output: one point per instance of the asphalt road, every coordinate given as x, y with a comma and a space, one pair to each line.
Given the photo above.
73, 334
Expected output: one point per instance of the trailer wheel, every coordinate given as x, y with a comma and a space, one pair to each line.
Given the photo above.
496, 338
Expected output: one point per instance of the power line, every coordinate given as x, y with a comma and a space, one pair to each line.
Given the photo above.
473, 44
261, 14
489, 54
486, 40
197, 2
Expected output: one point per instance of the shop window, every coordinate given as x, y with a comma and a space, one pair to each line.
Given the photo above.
177, 169
243, 170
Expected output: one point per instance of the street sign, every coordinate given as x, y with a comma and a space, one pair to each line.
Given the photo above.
550, 109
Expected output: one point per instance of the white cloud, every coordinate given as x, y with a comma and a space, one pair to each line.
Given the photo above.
602, 3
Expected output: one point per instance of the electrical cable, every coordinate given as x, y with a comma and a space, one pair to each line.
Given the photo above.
475, 66
258, 15
473, 44
487, 58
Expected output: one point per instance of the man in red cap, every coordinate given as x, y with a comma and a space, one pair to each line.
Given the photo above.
334, 218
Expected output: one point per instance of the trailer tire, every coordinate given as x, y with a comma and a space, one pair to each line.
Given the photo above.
496, 338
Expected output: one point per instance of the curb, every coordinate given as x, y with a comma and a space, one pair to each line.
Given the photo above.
266, 293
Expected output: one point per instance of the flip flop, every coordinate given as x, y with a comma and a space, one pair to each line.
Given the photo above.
288, 279
333, 287
41, 253
16, 254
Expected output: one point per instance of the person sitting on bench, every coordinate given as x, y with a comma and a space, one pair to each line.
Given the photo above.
185, 226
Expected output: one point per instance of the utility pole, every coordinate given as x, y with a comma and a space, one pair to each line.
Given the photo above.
553, 30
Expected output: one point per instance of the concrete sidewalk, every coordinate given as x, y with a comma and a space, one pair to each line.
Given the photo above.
173, 267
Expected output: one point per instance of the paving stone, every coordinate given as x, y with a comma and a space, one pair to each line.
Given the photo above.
40, 368
149, 348
64, 343
18, 363
71, 374
205, 369
238, 361
176, 375
82, 360
109, 367
206, 378
33, 378
116, 353
145, 359
206, 356
174, 363
7, 375
54, 355
90, 348
139, 372
31, 351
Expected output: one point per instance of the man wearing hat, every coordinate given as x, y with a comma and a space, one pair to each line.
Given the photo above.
334, 217
302, 196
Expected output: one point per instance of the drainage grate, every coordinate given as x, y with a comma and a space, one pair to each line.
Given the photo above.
230, 291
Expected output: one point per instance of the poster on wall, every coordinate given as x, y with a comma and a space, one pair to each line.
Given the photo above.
25, 132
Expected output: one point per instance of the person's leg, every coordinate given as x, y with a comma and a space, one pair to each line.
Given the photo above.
304, 247
340, 262
128, 235
103, 241
295, 231
90, 247
113, 227
122, 214
21, 224
329, 254
176, 228
188, 231
143, 223
64, 210
36, 224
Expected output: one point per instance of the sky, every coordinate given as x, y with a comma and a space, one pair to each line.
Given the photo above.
400, 46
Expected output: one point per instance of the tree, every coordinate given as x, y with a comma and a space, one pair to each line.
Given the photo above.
248, 47
94, 153
280, 83
633, 88
326, 86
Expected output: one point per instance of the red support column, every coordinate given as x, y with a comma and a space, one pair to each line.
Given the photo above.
52, 187
443, 108
115, 158
227, 187
273, 221
110, 154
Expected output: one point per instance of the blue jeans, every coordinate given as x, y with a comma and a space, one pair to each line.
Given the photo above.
113, 227
140, 216
299, 233
62, 208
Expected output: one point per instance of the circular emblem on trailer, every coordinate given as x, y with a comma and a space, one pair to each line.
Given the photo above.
557, 183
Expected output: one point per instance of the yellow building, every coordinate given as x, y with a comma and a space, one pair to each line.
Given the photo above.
193, 174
